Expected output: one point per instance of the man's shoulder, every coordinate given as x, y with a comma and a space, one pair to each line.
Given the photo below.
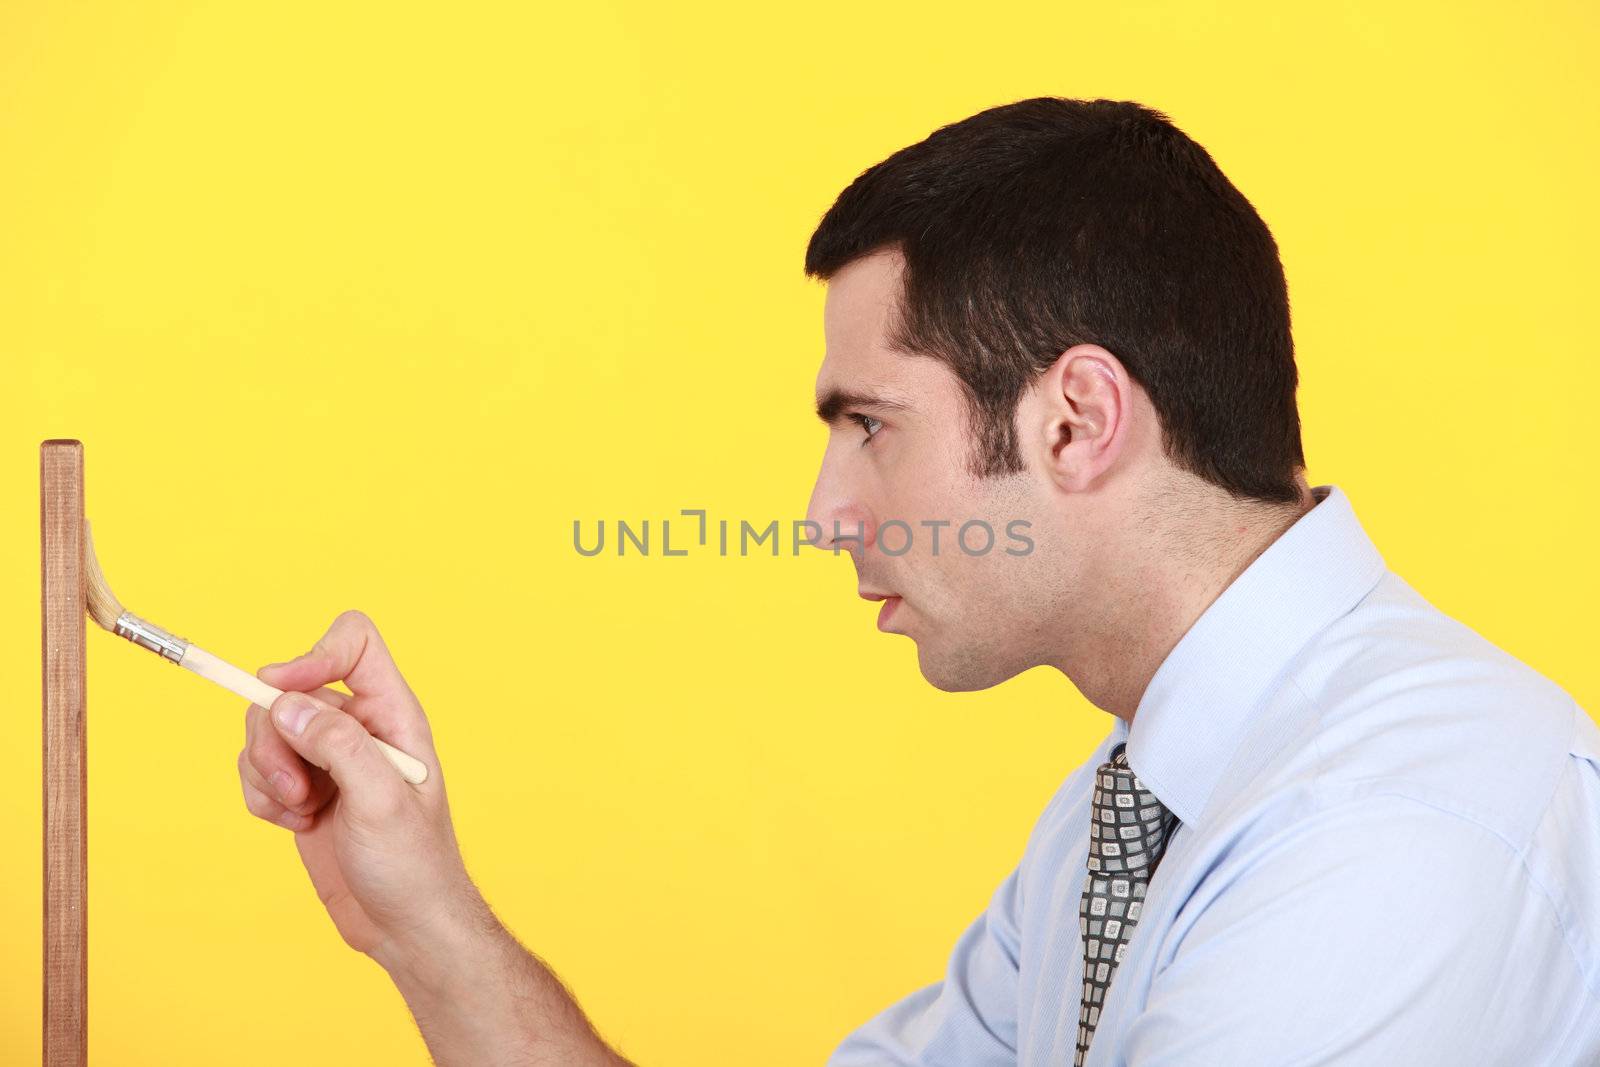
1407, 698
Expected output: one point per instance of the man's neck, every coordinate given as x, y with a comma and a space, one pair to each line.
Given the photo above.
1156, 592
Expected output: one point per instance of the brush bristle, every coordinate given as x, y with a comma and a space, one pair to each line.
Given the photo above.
103, 606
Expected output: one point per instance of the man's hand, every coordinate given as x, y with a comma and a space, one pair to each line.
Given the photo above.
380, 851
383, 857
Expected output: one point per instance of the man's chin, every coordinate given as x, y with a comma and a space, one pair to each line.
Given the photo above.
960, 674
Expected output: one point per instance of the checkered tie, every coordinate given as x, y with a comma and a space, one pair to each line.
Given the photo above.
1129, 832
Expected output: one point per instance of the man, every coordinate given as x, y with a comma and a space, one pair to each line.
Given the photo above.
1329, 824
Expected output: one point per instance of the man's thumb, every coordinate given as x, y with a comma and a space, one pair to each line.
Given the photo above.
336, 742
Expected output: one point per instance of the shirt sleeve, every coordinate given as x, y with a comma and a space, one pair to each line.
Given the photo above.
969, 1018
1380, 930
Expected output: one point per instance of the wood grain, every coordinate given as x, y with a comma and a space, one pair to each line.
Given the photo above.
66, 844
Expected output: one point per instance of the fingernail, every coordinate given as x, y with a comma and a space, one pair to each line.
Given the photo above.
282, 783
294, 712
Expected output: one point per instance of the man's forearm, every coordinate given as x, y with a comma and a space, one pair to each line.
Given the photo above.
480, 998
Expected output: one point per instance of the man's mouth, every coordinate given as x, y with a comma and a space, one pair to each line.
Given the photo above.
890, 603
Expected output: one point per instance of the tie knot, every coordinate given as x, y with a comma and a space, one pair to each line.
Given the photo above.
1130, 827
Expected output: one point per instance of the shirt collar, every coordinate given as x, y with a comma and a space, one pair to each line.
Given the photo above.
1197, 705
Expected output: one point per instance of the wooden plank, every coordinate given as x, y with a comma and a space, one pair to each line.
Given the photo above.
66, 842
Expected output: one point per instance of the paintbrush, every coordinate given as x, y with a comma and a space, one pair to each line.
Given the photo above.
105, 609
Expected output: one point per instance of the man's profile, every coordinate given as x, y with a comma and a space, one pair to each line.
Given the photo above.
1329, 824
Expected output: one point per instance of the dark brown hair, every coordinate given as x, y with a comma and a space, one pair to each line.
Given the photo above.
1034, 226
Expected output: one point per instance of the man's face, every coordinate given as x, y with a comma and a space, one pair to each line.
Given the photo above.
983, 607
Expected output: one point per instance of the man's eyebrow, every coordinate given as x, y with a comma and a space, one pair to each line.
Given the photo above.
835, 402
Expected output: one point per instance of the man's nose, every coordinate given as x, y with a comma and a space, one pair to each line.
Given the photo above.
840, 520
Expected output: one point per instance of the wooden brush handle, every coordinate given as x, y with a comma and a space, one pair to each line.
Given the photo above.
256, 691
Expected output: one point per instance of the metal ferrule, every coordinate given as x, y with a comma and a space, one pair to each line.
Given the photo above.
151, 636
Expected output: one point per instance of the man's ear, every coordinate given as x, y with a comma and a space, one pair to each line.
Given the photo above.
1081, 408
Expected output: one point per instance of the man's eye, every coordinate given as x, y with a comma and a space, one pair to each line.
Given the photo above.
869, 425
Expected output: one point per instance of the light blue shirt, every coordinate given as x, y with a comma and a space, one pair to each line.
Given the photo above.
1389, 851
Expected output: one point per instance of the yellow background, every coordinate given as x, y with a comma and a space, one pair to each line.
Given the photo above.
361, 305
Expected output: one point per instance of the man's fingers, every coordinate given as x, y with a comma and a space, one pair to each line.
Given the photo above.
264, 807
252, 777
275, 768
352, 651
369, 786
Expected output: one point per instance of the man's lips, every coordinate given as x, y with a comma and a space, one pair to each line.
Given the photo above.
890, 603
